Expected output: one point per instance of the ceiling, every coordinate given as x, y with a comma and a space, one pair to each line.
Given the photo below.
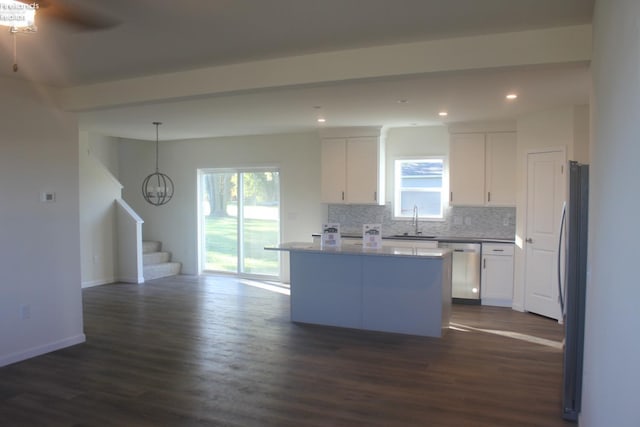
399, 102
160, 36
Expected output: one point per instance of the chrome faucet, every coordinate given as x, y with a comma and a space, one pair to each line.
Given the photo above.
415, 220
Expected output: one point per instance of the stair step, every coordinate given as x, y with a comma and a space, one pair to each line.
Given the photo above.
166, 269
151, 246
150, 258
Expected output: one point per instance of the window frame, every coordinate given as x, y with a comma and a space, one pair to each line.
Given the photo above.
397, 189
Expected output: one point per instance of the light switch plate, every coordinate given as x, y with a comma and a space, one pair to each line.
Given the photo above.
48, 197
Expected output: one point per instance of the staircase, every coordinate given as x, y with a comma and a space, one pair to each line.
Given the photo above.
156, 263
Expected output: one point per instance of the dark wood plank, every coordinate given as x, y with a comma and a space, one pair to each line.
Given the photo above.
213, 351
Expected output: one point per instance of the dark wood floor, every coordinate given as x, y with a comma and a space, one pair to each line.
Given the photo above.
191, 351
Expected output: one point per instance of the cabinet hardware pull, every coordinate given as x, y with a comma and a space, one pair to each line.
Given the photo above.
489, 196
343, 195
451, 196
529, 240
498, 250
484, 263
375, 196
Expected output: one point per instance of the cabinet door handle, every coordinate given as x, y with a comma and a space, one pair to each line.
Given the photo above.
451, 196
498, 250
529, 240
375, 196
343, 195
484, 263
488, 196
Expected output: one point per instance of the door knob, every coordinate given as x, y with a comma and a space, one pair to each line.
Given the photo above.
529, 240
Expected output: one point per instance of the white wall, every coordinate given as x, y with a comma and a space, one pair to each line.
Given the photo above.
581, 133
562, 127
98, 191
612, 339
175, 224
413, 142
105, 149
39, 242
129, 244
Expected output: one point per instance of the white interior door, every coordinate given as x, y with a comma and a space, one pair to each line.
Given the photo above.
545, 195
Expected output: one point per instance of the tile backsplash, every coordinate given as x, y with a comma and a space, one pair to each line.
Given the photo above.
477, 222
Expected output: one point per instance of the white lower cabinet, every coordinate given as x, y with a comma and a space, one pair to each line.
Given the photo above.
496, 280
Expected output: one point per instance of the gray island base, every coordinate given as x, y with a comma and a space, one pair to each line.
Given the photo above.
400, 290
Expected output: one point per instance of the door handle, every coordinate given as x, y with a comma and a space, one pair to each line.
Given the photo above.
529, 240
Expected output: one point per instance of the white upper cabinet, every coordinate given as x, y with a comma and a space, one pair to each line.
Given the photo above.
351, 170
501, 169
483, 169
334, 170
362, 170
467, 169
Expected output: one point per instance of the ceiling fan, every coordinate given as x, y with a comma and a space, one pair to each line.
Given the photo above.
20, 17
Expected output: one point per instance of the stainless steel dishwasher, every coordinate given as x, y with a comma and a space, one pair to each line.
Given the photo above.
465, 276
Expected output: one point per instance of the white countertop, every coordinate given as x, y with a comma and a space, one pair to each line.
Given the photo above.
349, 249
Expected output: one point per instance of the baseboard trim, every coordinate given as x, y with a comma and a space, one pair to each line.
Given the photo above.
497, 302
518, 307
92, 283
40, 350
126, 279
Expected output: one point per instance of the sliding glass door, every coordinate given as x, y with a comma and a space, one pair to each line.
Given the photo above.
239, 216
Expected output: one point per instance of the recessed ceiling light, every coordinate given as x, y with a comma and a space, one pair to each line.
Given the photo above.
322, 120
443, 114
512, 96
402, 101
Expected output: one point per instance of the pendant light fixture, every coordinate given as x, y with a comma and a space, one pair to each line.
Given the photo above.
157, 188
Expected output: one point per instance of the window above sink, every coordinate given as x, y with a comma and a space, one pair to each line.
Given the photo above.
419, 188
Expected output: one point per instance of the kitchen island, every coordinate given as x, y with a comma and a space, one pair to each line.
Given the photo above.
391, 289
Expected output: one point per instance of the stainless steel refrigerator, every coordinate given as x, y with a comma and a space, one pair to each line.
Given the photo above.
573, 288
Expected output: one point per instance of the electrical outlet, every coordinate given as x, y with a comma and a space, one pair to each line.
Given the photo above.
25, 311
